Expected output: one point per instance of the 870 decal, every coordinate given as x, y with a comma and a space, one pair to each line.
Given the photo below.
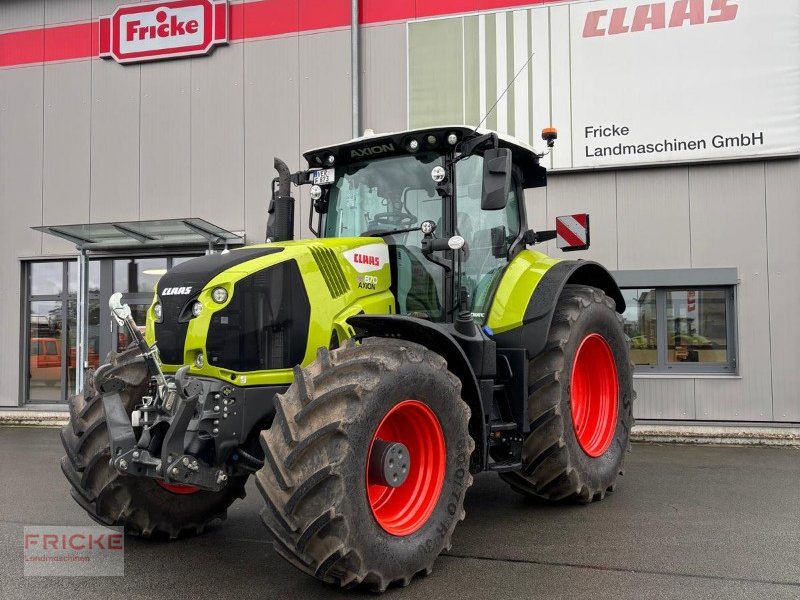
367, 282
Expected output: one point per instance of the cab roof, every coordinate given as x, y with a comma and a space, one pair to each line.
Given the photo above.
382, 145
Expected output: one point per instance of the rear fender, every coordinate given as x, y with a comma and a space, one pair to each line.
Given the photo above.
437, 339
531, 332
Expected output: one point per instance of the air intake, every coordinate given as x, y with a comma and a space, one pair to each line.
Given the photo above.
331, 270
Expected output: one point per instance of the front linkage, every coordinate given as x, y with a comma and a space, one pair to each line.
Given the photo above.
191, 429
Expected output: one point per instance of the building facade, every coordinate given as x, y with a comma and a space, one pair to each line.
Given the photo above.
701, 236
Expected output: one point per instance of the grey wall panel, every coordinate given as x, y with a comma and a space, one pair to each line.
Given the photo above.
783, 243
66, 185
594, 193
58, 11
21, 147
271, 124
21, 94
383, 83
165, 134
536, 209
115, 142
664, 398
217, 142
728, 228
653, 218
325, 109
15, 14
101, 8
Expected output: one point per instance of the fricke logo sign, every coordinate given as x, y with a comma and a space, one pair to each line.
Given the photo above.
158, 30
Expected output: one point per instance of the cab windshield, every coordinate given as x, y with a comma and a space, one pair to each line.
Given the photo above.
391, 194
383, 195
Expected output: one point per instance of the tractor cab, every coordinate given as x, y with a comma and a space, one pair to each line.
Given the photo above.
428, 192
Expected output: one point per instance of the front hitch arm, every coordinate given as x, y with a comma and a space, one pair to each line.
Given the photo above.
173, 465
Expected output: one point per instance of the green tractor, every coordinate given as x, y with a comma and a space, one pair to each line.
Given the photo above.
364, 376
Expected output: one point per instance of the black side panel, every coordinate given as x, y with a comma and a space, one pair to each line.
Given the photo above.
436, 338
536, 323
171, 333
265, 325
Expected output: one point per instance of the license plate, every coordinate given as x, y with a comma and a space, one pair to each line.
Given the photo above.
323, 176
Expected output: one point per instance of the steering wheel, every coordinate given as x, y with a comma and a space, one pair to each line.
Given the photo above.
399, 220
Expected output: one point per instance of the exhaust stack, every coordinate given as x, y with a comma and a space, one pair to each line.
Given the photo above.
280, 220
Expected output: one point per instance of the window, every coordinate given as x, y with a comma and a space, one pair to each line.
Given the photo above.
681, 330
382, 195
488, 233
50, 314
138, 275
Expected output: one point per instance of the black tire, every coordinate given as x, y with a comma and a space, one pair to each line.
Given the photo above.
138, 504
555, 466
314, 479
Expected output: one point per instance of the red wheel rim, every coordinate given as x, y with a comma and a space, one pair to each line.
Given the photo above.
594, 390
403, 510
178, 488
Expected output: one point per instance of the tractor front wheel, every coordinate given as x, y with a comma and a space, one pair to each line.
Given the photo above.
366, 464
580, 403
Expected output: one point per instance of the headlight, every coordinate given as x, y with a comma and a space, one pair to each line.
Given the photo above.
199, 361
220, 295
197, 308
158, 312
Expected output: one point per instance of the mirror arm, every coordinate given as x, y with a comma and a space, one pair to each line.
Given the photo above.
470, 146
531, 237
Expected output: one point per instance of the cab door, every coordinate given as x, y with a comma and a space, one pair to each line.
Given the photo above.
488, 234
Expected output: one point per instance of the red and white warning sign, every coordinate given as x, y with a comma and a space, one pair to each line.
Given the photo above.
572, 232
156, 30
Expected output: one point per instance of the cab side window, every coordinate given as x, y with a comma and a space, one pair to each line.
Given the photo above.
488, 233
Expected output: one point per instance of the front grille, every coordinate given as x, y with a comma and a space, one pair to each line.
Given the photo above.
331, 270
171, 333
265, 324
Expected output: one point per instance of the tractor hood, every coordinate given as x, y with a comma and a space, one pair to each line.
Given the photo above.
279, 303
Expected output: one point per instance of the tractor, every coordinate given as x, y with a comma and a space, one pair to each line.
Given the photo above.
365, 375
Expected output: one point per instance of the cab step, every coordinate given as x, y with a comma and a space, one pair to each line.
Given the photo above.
503, 426
505, 466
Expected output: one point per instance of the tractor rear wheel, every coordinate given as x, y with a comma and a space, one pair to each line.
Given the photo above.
366, 464
143, 506
580, 403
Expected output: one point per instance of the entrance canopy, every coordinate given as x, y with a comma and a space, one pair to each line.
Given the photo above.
126, 236
137, 235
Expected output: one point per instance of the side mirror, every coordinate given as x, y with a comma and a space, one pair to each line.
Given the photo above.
496, 178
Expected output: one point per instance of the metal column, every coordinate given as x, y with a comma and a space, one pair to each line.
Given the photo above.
355, 68
82, 310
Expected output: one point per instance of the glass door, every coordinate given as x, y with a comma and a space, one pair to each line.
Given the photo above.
139, 304
135, 278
